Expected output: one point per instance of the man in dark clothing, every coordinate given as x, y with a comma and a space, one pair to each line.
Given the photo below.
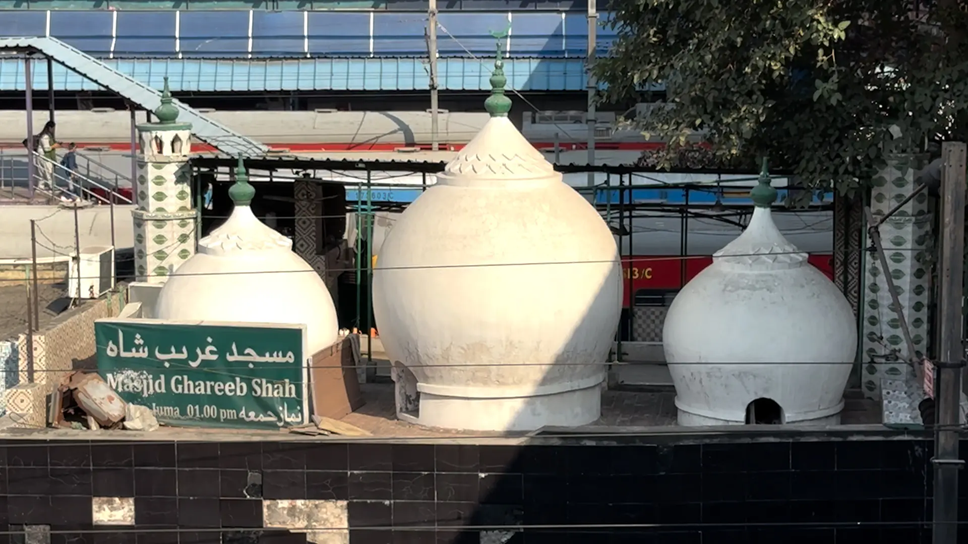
69, 163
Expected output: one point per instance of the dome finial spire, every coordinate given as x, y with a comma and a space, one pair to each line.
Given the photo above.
241, 192
166, 113
498, 104
764, 195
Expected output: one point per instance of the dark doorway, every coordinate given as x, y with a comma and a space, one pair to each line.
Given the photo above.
764, 411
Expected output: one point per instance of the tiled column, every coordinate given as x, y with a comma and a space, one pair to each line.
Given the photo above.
906, 237
164, 222
309, 211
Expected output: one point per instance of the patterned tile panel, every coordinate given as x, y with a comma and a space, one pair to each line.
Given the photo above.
647, 322
309, 211
27, 405
908, 242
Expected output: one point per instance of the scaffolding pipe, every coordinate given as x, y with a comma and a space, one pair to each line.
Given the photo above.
134, 155
369, 268
621, 255
631, 267
31, 161
359, 254
50, 89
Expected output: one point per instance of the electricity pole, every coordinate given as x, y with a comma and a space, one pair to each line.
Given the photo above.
591, 86
952, 353
432, 52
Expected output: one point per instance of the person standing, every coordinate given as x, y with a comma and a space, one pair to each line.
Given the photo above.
47, 148
69, 164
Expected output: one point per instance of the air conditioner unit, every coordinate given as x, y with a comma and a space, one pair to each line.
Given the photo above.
92, 274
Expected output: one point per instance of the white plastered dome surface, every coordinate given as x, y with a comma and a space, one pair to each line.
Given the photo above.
500, 280
760, 322
246, 272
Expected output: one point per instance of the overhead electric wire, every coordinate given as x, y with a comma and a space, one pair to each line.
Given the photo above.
630, 261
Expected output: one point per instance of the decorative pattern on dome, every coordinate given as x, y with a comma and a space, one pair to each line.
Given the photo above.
762, 245
243, 231
499, 151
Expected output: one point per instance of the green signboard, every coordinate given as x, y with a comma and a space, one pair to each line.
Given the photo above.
207, 375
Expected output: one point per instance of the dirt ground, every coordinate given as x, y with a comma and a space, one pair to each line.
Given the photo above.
13, 307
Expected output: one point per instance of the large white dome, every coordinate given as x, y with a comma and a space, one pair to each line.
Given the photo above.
246, 272
500, 289
759, 323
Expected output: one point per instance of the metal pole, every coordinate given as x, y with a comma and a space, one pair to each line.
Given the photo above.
423, 182
557, 149
875, 237
631, 215
112, 211
432, 53
621, 252
77, 250
948, 398
369, 269
33, 264
30, 332
359, 254
31, 160
684, 239
199, 204
591, 86
50, 89
134, 155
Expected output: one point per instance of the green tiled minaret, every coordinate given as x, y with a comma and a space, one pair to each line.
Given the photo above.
164, 220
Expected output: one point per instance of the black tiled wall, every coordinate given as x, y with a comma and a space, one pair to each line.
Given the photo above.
821, 492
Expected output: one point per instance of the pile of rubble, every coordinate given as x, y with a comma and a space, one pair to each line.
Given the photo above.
85, 401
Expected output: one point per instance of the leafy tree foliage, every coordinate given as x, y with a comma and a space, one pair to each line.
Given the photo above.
824, 87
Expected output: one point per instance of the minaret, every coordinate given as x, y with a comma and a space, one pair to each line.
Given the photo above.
164, 221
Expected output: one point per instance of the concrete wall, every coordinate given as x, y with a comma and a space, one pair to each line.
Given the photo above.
19, 271
56, 229
67, 343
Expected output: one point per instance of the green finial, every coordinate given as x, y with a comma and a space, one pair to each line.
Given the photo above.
764, 195
241, 192
166, 113
498, 105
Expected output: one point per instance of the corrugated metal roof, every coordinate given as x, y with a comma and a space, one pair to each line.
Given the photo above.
338, 74
145, 96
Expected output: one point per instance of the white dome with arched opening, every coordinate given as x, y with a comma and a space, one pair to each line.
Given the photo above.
760, 336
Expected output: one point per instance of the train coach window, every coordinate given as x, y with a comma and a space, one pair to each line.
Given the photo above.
655, 298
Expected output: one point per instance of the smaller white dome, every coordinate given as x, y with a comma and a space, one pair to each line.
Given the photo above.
246, 272
759, 323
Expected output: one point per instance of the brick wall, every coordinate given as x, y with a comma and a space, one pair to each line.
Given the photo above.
67, 342
871, 490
